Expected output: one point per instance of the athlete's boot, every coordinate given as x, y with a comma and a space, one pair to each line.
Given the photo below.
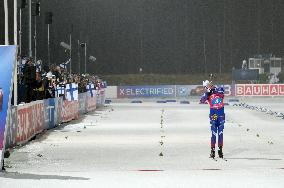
212, 154
220, 152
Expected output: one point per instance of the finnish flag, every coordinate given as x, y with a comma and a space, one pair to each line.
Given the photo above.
91, 89
38, 66
72, 92
60, 90
64, 65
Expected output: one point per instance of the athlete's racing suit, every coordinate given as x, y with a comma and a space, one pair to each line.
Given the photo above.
215, 98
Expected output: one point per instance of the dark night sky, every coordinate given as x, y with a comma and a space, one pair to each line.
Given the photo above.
161, 36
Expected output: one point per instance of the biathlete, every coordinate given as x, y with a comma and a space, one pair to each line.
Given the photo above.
215, 97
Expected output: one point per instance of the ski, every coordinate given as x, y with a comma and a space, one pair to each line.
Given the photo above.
217, 159
213, 158
223, 159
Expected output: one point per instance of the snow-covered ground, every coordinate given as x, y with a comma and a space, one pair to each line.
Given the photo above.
120, 146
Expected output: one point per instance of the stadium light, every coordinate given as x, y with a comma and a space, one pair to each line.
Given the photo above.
65, 45
92, 58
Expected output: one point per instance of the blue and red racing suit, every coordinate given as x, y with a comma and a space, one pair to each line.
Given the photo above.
215, 99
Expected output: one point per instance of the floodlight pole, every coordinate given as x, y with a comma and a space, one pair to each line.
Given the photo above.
20, 34
35, 42
48, 45
16, 44
30, 29
85, 57
70, 51
6, 22
79, 58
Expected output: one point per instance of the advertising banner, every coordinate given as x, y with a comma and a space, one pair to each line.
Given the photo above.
59, 102
165, 91
70, 110
100, 98
187, 90
82, 103
7, 63
145, 91
11, 128
50, 114
259, 89
91, 102
30, 119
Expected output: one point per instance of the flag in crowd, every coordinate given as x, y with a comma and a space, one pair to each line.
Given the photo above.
72, 92
60, 90
91, 89
64, 65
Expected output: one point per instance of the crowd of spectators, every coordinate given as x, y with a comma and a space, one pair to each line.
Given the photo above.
37, 81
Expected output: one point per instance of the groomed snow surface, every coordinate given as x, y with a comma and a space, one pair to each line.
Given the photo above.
120, 146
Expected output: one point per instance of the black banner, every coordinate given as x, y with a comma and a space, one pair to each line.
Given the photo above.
248, 74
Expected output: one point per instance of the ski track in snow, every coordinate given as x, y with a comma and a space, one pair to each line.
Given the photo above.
119, 146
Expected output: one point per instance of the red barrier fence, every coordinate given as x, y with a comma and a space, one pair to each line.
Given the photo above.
25, 121
70, 110
30, 120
